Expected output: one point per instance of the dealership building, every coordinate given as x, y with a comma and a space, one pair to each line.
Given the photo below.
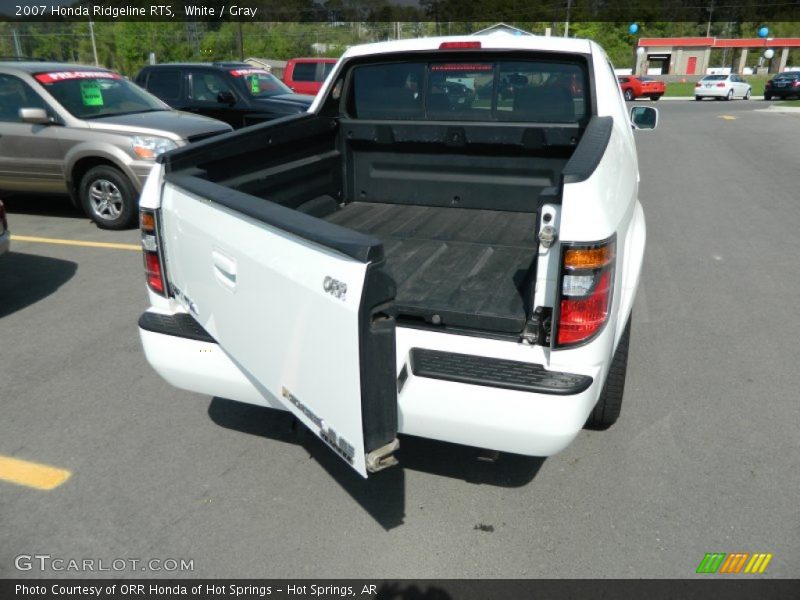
692, 55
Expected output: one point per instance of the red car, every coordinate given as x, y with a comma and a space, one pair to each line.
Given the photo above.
637, 87
306, 75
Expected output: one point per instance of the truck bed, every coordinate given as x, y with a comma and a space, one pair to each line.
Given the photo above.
453, 266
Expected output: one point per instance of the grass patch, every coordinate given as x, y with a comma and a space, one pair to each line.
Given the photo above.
687, 89
789, 103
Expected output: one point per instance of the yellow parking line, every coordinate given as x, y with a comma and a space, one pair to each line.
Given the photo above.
41, 240
30, 474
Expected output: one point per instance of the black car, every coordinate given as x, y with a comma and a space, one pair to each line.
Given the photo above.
236, 93
783, 85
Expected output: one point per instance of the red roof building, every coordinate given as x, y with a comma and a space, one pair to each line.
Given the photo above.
692, 55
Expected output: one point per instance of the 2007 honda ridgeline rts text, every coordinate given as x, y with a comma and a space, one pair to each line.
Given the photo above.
447, 245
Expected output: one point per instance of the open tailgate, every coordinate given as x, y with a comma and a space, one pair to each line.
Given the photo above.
304, 307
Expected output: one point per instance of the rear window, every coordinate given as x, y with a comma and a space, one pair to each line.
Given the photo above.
530, 91
305, 71
715, 78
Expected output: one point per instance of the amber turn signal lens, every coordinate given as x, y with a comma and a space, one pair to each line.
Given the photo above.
588, 258
147, 221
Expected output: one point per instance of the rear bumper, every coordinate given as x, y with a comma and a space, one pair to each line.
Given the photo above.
782, 92
714, 92
485, 402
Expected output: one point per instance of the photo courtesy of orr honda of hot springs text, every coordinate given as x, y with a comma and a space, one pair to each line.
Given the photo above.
447, 245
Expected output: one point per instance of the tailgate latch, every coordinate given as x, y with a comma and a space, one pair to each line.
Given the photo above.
537, 329
381, 458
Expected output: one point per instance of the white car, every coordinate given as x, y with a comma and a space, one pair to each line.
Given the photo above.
399, 260
721, 87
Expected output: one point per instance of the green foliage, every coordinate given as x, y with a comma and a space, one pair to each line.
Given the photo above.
125, 45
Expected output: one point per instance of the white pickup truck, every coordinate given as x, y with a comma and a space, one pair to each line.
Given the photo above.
447, 245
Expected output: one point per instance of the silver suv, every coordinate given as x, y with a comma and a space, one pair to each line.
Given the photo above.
87, 132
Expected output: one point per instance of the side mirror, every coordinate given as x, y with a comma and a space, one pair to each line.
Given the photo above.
37, 116
644, 117
226, 97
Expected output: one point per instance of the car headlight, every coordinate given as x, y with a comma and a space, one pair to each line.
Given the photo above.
147, 146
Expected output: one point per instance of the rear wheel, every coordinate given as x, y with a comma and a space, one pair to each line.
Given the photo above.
608, 407
747, 94
629, 95
730, 95
655, 98
698, 98
108, 197
767, 97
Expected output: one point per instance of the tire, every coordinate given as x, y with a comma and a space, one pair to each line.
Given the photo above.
608, 407
697, 98
655, 98
629, 95
747, 94
108, 198
767, 97
729, 97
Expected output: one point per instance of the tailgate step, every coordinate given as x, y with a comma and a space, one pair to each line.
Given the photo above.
495, 372
180, 325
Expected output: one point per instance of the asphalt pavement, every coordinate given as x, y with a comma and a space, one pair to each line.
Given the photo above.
703, 459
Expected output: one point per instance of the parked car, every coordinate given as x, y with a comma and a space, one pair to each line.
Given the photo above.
235, 93
783, 85
641, 87
375, 270
305, 75
722, 87
86, 132
5, 235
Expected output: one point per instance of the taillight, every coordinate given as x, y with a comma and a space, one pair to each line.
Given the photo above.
153, 265
459, 45
697, 84
3, 220
796, 83
720, 85
587, 283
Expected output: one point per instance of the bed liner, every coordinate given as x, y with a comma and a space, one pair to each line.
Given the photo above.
453, 266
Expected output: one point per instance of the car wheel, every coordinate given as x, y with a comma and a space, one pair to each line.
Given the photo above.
655, 98
767, 97
108, 197
730, 95
629, 95
747, 94
698, 98
608, 407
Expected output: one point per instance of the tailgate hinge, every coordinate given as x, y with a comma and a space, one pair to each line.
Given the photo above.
537, 329
381, 458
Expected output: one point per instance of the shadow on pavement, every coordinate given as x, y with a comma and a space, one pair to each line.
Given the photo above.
26, 278
49, 206
383, 494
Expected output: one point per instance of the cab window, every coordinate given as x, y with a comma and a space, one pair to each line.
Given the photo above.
16, 94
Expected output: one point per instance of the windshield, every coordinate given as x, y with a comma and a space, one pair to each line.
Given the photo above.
258, 83
94, 94
552, 91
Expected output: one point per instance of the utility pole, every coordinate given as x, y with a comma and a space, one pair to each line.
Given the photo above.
94, 45
710, 10
566, 24
17, 47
